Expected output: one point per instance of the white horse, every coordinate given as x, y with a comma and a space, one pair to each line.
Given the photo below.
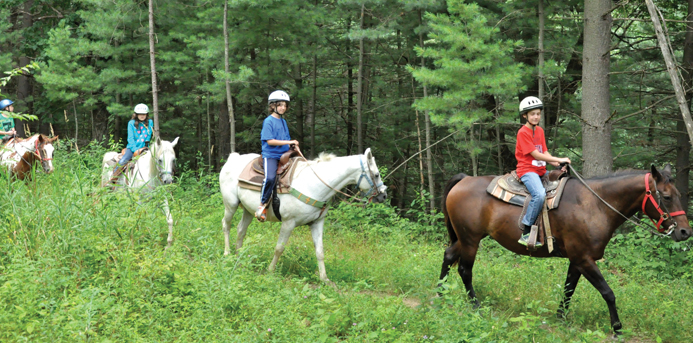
151, 169
19, 156
315, 180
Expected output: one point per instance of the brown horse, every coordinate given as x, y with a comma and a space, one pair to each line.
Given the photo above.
20, 155
582, 225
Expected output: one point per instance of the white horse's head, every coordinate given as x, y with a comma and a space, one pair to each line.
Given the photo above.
370, 180
165, 159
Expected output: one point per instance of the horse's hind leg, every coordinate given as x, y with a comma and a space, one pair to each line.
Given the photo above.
464, 268
570, 284
284, 234
229, 210
243, 228
452, 255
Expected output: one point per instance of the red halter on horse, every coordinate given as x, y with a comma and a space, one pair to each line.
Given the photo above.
582, 225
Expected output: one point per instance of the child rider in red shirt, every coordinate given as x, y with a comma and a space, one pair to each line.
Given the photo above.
532, 155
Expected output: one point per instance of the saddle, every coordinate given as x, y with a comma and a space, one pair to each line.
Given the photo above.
130, 164
509, 188
253, 174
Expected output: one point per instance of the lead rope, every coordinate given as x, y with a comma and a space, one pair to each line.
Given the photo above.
649, 227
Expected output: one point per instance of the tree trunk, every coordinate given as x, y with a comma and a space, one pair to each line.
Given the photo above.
298, 79
152, 61
683, 148
429, 152
540, 64
359, 99
313, 110
23, 82
209, 135
223, 133
350, 97
596, 129
229, 100
665, 46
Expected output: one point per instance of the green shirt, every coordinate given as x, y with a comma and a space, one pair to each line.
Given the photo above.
6, 124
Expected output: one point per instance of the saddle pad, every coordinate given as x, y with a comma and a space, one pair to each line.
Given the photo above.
508, 189
252, 179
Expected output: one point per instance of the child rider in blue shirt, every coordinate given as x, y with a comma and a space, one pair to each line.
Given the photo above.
275, 141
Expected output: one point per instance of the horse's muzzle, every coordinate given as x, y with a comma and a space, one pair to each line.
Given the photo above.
167, 181
380, 197
681, 234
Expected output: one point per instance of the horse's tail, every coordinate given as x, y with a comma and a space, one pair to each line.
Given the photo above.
448, 187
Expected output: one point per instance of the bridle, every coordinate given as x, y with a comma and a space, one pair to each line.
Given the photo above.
663, 215
648, 195
367, 173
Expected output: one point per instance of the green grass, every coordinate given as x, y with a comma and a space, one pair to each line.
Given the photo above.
78, 263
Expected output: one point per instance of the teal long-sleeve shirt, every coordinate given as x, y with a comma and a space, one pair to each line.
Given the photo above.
139, 135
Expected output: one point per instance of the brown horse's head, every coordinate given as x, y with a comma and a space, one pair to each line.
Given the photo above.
44, 150
670, 209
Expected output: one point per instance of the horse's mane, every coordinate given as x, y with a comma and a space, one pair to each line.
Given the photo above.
322, 157
629, 172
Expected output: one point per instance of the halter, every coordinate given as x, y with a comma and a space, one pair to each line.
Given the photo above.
161, 167
38, 152
663, 215
374, 190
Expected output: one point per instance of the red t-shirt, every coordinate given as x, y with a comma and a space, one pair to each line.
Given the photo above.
528, 141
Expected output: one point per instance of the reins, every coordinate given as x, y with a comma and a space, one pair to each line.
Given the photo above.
663, 217
363, 171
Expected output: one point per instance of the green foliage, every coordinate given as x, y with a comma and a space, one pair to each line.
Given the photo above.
79, 262
471, 64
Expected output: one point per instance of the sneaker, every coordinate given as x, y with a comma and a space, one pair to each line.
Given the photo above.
525, 238
261, 213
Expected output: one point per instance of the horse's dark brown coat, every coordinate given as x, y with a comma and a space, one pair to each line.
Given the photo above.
582, 225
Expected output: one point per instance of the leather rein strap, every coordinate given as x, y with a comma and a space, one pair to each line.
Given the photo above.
647, 187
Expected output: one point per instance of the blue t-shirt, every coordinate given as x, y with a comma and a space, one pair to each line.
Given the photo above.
139, 135
273, 128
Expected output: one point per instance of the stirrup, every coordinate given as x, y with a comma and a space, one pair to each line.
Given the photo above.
261, 213
525, 239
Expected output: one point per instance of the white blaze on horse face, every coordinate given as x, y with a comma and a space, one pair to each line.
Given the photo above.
48, 163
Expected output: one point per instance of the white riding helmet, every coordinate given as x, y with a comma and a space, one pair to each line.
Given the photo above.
530, 103
278, 96
141, 109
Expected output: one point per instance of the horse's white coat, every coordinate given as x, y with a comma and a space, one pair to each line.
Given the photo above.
151, 169
337, 172
12, 153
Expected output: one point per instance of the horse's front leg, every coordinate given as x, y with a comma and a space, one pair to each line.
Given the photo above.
169, 220
570, 284
316, 230
589, 269
284, 234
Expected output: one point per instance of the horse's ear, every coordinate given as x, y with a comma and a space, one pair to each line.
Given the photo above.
158, 140
175, 141
667, 169
41, 138
368, 154
655, 173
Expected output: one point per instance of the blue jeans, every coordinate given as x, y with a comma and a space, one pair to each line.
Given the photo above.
270, 165
127, 156
536, 189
